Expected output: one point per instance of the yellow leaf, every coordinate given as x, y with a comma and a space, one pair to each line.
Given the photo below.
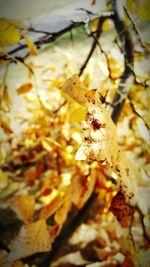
46, 146
48, 210
62, 212
75, 89
9, 35
25, 88
3, 179
5, 124
77, 115
32, 47
6, 97
24, 206
32, 238
86, 80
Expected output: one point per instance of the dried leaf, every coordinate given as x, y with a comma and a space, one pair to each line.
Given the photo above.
121, 209
100, 138
75, 89
25, 88
24, 206
32, 238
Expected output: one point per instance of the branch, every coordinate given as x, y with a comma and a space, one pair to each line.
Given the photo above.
50, 36
127, 47
135, 29
95, 41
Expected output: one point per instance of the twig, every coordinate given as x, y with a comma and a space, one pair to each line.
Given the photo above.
134, 27
127, 48
98, 32
136, 112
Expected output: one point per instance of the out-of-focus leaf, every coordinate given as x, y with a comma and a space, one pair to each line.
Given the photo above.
25, 88
77, 115
24, 206
9, 35
3, 179
32, 47
62, 212
51, 208
5, 124
32, 238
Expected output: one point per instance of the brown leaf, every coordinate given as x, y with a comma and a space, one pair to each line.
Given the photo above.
25, 88
121, 209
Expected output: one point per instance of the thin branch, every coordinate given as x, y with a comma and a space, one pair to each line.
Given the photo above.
127, 47
137, 113
134, 27
93, 47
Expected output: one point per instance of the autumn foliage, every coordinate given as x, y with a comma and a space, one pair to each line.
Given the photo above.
68, 151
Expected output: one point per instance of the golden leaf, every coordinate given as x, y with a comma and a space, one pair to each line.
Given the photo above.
32, 47
25, 88
51, 208
75, 89
77, 114
62, 212
9, 35
32, 238
3, 179
24, 206
5, 124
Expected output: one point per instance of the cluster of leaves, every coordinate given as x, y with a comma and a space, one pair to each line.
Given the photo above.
44, 185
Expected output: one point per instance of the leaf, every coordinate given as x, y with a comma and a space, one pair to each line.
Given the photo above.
25, 88
3, 180
5, 124
32, 47
100, 141
9, 35
77, 115
75, 89
24, 206
62, 212
48, 210
100, 138
32, 238
121, 209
